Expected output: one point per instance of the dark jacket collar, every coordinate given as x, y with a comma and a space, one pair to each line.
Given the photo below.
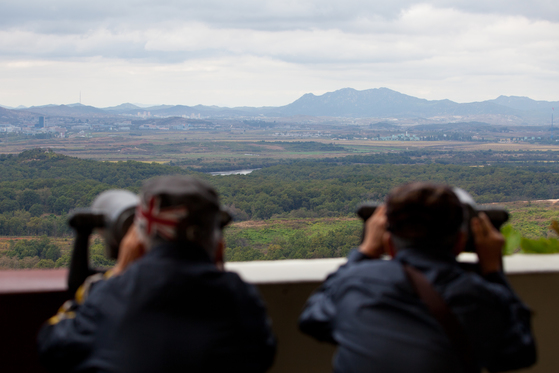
180, 251
426, 258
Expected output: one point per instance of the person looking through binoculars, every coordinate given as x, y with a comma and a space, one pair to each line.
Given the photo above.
421, 312
167, 305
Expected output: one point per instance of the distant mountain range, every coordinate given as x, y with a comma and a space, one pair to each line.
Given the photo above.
347, 102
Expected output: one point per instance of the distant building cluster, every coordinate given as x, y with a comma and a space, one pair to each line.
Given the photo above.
148, 114
301, 134
41, 123
153, 127
37, 128
520, 139
192, 116
398, 137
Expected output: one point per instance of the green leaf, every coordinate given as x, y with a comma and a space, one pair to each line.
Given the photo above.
512, 239
539, 246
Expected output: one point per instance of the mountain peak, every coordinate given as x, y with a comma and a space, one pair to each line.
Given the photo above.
382, 103
123, 107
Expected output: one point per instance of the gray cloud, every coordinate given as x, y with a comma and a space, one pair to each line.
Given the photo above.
419, 33
238, 50
296, 31
65, 16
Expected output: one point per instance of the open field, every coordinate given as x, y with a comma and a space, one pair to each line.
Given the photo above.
532, 218
446, 145
266, 231
210, 146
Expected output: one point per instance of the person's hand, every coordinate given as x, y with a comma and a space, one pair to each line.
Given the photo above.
131, 249
220, 255
375, 228
489, 244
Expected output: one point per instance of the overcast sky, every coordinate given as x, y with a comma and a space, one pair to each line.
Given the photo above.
269, 53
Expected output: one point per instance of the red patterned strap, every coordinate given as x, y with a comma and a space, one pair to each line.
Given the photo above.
152, 220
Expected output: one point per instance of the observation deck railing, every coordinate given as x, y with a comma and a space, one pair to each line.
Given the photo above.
29, 297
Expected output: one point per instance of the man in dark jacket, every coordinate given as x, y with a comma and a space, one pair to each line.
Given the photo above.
370, 309
167, 306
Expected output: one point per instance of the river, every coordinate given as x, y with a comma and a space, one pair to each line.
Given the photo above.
233, 172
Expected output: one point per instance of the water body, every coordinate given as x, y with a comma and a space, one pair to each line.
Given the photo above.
233, 172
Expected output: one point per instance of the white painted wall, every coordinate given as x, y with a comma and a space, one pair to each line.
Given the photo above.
285, 286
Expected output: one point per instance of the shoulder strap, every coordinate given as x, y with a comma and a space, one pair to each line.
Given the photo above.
444, 315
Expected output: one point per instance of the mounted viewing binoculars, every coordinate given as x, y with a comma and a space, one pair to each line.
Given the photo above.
111, 214
497, 215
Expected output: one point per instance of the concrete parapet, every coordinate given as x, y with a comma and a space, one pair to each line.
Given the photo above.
28, 298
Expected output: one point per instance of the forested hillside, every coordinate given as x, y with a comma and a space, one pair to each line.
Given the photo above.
38, 188
39, 164
414, 156
310, 189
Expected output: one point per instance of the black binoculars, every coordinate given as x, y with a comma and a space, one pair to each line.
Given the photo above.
497, 215
111, 214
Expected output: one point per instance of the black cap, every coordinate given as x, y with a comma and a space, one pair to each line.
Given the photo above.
199, 199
